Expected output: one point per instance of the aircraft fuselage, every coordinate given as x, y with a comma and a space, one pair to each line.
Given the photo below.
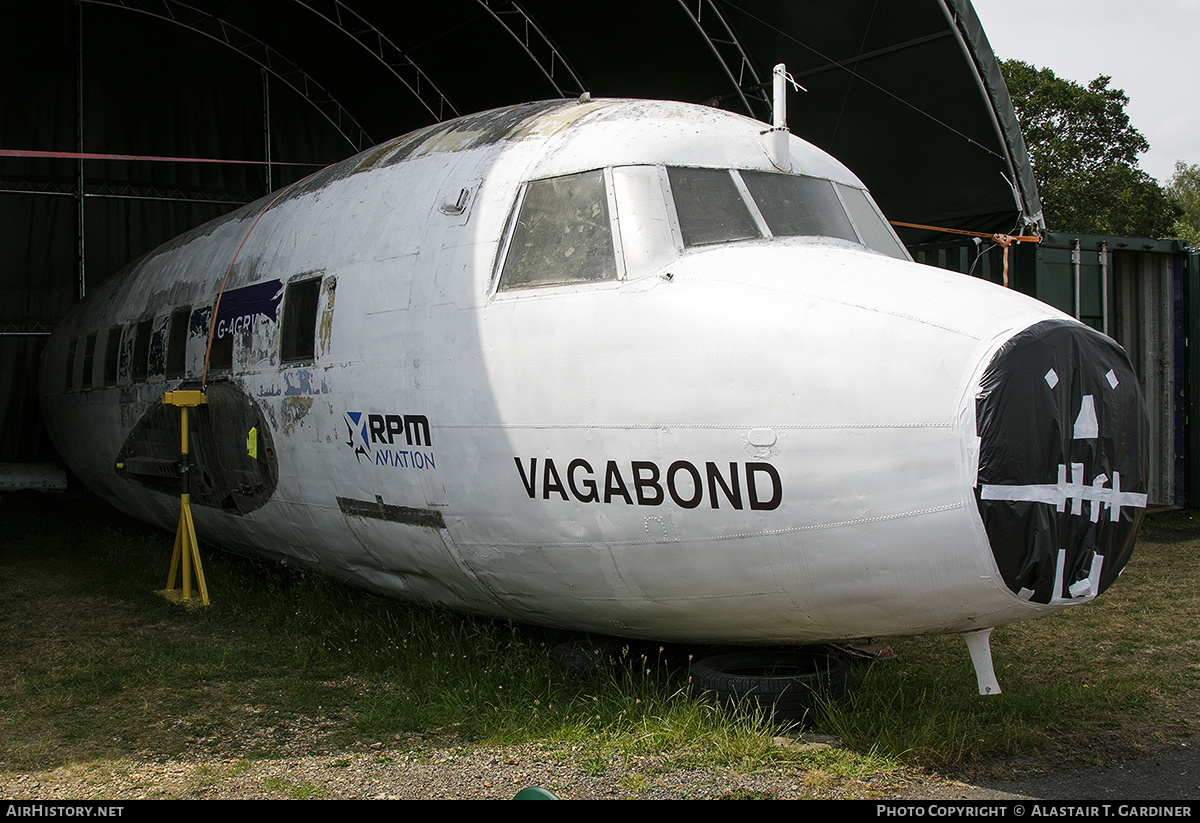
604, 366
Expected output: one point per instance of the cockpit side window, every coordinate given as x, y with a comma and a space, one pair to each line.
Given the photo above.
795, 206
876, 234
710, 208
562, 234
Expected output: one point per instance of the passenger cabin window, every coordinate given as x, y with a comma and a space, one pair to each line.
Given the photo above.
562, 234
219, 350
300, 320
112, 353
710, 208
177, 343
158, 348
141, 351
89, 359
72, 347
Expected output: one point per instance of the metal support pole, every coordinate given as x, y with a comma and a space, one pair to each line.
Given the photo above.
79, 243
779, 148
980, 648
267, 125
187, 550
1077, 260
1104, 283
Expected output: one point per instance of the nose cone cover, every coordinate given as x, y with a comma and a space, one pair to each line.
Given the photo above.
1062, 464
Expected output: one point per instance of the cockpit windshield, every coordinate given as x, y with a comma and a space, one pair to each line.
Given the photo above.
710, 207
562, 234
608, 224
796, 206
727, 205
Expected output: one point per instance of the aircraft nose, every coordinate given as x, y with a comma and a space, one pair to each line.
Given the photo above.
1063, 461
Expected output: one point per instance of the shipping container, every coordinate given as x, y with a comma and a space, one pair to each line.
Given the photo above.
1143, 293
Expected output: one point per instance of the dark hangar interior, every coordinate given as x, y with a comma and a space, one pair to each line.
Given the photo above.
114, 112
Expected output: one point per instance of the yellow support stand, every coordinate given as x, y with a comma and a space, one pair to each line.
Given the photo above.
187, 550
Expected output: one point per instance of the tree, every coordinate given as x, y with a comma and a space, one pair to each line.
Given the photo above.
1184, 193
1084, 153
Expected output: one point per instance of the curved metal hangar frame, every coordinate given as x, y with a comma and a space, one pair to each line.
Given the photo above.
908, 95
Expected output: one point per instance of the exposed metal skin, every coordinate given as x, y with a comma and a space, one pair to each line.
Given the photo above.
761, 441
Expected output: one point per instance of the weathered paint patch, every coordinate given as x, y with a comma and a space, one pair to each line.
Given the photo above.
325, 321
378, 510
200, 323
124, 364
158, 347
473, 131
297, 382
292, 411
461, 134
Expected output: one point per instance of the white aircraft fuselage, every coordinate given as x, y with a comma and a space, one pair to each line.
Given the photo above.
605, 366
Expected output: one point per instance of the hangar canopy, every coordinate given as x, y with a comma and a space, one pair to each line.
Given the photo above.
908, 95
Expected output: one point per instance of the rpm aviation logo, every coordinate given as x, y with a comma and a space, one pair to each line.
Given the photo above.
396, 440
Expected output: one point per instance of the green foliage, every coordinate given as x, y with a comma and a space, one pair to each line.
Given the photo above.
1184, 192
1085, 153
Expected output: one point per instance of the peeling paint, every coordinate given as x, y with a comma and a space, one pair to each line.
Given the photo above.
297, 382
464, 133
131, 413
474, 131
292, 412
269, 409
325, 321
200, 322
374, 157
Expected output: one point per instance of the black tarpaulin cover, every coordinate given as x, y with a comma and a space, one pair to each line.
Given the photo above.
1062, 464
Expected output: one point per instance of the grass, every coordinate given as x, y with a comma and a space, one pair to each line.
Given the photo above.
290, 663
1078, 686
97, 666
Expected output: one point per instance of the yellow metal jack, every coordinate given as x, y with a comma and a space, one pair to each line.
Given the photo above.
187, 550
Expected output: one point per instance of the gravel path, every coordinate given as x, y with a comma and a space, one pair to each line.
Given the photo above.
409, 769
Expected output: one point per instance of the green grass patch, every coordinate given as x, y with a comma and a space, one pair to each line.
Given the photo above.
289, 662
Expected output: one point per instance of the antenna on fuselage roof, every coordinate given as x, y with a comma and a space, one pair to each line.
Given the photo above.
777, 135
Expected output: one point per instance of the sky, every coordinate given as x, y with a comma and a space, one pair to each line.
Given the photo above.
1147, 47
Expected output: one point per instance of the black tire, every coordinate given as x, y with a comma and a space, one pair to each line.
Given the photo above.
785, 685
585, 655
